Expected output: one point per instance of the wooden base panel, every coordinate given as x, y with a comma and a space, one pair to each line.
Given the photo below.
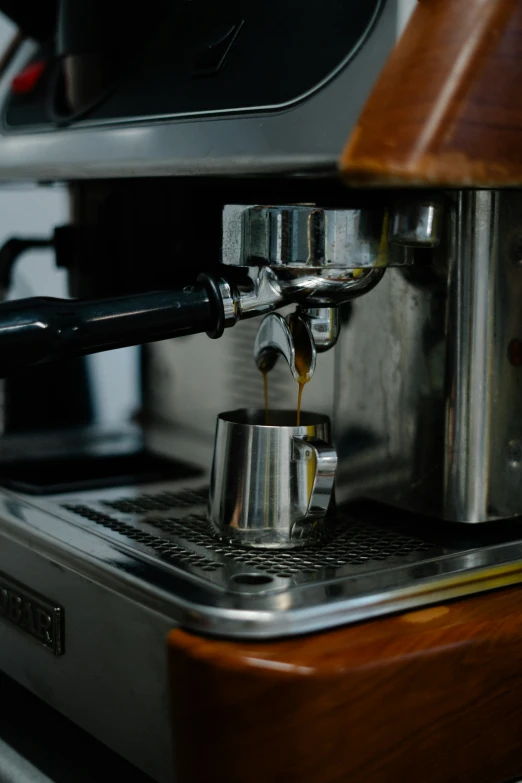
431, 696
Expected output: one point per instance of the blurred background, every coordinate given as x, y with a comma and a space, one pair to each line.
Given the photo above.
30, 210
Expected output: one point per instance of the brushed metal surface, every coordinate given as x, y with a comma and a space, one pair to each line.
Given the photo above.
112, 679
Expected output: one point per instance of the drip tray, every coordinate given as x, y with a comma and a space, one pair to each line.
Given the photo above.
186, 541
372, 561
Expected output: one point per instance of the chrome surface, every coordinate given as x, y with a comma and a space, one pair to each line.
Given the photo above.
309, 255
275, 338
416, 223
152, 546
325, 325
256, 292
476, 335
307, 137
483, 469
272, 481
311, 236
325, 288
230, 313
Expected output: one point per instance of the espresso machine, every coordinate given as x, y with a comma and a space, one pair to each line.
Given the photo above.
216, 222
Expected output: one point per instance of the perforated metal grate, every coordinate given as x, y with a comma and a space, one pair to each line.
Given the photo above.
162, 501
373, 561
164, 548
348, 542
185, 538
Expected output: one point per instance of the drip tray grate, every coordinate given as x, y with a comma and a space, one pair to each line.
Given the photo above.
173, 526
370, 562
162, 501
163, 547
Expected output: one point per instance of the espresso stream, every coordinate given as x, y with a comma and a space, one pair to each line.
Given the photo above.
303, 358
303, 362
265, 389
303, 379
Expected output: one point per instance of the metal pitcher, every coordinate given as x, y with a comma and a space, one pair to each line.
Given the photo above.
271, 483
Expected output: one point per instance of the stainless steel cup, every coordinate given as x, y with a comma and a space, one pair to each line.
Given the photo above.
271, 485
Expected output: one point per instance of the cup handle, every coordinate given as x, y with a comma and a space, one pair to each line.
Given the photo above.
326, 465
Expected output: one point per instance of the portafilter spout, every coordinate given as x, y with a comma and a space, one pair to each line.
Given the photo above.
298, 338
291, 338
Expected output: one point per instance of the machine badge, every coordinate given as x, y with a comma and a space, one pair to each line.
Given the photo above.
32, 613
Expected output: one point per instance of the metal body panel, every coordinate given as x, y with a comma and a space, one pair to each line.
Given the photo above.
427, 415
305, 138
112, 678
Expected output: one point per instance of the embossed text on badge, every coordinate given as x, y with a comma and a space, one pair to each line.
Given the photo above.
32, 613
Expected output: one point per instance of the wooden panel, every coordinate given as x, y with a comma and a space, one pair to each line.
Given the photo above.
447, 109
432, 696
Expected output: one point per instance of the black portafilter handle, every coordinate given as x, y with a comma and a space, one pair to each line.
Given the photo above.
43, 329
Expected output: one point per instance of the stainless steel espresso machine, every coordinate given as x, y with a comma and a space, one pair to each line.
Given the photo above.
210, 225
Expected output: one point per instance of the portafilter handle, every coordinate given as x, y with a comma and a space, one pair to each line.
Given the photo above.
43, 329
